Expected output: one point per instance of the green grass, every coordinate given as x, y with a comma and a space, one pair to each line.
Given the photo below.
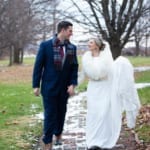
144, 95
16, 100
28, 61
142, 77
82, 87
4, 62
144, 131
16, 103
140, 61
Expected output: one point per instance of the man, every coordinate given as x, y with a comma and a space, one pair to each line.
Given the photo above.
56, 69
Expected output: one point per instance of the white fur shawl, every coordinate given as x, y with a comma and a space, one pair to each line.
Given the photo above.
97, 68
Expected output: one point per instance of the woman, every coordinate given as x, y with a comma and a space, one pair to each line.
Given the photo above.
105, 102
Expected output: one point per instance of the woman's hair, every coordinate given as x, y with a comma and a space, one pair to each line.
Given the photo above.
63, 25
99, 43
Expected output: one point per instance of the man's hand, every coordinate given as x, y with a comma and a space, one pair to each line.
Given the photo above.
36, 91
71, 90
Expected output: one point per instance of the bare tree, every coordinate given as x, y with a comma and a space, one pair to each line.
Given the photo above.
15, 28
114, 20
2, 16
141, 31
48, 15
24, 22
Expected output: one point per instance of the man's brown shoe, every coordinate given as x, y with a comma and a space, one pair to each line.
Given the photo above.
47, 146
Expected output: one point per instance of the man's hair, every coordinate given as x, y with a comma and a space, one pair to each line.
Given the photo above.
63, 25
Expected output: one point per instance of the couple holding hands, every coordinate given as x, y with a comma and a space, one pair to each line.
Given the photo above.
110, 89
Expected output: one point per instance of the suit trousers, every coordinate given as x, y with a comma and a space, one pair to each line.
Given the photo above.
54, 116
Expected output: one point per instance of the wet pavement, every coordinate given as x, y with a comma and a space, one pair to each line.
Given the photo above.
143, 68
142, 85
74, 128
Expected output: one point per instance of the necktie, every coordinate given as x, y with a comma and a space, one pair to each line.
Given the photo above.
61, 51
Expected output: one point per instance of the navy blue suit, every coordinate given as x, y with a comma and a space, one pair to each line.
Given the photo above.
54, 85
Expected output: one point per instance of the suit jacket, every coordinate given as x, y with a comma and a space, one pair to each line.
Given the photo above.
51, 80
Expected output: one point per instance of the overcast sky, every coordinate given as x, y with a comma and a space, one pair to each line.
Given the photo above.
79, 32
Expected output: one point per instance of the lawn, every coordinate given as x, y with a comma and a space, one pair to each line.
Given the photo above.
140, 61
18, 125
26, 61
142, 77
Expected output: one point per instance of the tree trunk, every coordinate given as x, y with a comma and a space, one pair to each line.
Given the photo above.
115, 49
16, 56
115, 52
146, 53
11, 55
21, 57
137, 51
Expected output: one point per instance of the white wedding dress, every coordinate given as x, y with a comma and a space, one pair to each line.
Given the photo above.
110, 91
